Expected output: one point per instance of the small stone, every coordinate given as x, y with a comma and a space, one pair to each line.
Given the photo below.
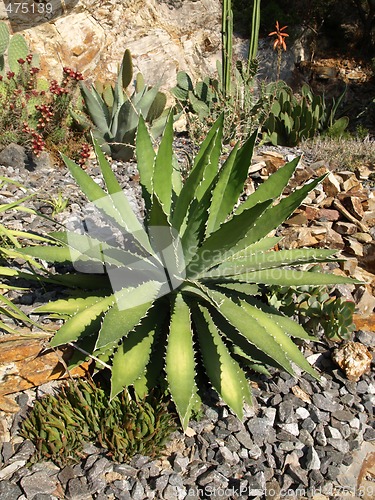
38, 482
9, 491
365, 301
254, 452
138, 491
363, 237
331, 184
324, 403
180, 463
256, 484
345, 228
333, 433
354, 206
302, 413
224, 455
298, 474
305, 437
366, 338
14, 155
339, 444
312, 459
243, 437
291, 428
369, 434
329, 215
78, 489
353, 246
353, 358
286, 412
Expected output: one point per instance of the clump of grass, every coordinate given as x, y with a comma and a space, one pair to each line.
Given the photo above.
344, 153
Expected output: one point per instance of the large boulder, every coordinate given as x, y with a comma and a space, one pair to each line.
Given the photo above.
91, 35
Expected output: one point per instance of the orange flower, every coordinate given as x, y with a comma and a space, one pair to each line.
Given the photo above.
279, 42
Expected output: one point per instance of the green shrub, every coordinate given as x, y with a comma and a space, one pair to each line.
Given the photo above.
291, 120
180, 292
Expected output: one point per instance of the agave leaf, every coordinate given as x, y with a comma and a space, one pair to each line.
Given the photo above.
76, 326
272, 187
196, 225
204, 157
145, 160
230, 184
52, 253
179, 361
212, 166
69, 306
286, 345
132, 356
15, 312
249, 326
269, 260
216, 247
98, 110
124, 316
276, 215
294, 277
260, 246
223, 371
163, 168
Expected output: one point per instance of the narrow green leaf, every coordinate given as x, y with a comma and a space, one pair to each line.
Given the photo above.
269, 260
285, 343
145, 161
249, 326
132, 356
229, 187
67, 306
77, 324
179, 362
272, 187
294, 277
223, 371
218, 244
123, 315
162, 178
276, 215
189, 190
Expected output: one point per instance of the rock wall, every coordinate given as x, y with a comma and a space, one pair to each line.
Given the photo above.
91, 35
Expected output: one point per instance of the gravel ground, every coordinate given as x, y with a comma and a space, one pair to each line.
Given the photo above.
298, 440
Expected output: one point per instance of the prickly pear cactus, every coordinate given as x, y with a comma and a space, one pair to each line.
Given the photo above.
18, 49
4, 38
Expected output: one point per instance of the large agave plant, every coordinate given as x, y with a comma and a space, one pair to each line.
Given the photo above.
178, 291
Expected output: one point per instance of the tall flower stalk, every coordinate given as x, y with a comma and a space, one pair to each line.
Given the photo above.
279, 44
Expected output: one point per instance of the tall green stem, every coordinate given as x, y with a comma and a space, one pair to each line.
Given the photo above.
227, 47
255, 23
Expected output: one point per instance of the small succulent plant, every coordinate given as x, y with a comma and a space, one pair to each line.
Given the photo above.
315, 308
59, 425
198, 99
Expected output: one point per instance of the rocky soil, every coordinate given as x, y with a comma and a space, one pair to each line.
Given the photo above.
302, 438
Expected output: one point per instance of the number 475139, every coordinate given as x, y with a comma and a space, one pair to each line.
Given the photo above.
25, 8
